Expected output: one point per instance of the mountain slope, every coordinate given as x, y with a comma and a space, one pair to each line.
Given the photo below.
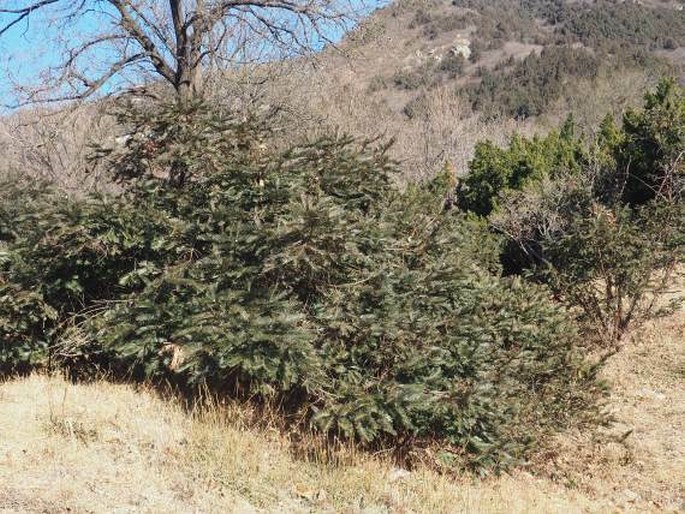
439, 75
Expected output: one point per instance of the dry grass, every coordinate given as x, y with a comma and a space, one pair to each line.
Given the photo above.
113, 448
638, 463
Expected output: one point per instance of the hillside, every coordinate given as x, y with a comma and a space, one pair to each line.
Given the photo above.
437, 268
439, 75
433, 75
119, 448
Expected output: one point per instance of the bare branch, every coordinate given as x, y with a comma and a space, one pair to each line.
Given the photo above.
132, 27
23, 13
172, 39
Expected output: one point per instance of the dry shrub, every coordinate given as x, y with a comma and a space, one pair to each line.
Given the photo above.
54, 145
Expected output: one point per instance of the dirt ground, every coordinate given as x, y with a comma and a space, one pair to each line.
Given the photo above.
638, 463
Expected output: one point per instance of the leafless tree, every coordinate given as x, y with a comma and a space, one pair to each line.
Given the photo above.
112, 45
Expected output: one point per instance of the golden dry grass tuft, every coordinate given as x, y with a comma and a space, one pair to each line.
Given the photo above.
111, 448
638, 462
103, 447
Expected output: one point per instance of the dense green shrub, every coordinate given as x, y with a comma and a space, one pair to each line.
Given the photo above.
640, 161
165, 142
495, 170
65, 258
26, 320
308, 278
652, 146
600, 223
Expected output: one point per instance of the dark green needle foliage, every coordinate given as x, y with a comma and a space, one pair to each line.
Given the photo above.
303, 277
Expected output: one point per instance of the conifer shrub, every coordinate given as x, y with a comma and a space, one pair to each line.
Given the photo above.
651, 147
309, 279
600, 222
64, 258
24, 315
494, 170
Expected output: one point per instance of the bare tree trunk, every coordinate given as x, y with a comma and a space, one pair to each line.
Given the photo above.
189, 84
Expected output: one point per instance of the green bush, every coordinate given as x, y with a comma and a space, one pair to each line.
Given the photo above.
309, 279
613, 263
652, 146
26, 320
165, 142
65, 258
600, 223
493, 171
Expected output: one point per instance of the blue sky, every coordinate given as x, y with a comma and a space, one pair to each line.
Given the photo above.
28, 48
17, 57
